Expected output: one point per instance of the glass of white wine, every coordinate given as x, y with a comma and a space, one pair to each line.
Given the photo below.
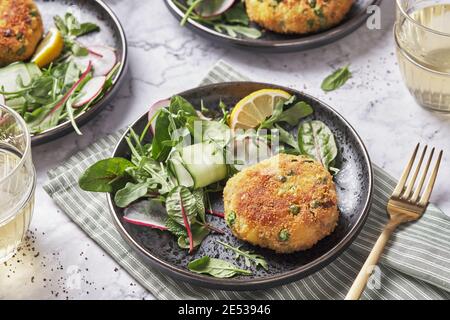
17, 181
422, 35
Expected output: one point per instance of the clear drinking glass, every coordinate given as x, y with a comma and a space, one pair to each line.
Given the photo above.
422, 35
17, 181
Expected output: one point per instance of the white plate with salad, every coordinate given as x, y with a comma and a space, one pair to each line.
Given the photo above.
73, 71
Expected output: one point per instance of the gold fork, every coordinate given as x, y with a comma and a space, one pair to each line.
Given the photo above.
405, 204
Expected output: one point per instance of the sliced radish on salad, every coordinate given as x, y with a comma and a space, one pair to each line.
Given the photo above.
148, 213
154, 109
213, 8
103, 60
90, 91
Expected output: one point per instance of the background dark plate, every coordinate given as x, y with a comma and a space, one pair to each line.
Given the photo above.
354, 187
111, 34
275, 42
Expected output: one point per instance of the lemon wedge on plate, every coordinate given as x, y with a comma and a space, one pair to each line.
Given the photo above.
49, 49
255, 108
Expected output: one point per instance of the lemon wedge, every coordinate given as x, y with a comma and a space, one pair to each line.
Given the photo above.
49, 49
252, 110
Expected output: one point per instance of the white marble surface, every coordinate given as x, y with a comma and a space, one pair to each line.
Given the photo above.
165, 59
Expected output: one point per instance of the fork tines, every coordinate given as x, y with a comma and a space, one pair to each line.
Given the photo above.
407, 189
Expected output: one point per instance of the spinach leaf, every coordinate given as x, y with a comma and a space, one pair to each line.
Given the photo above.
215, 267
160, 150
293, 114
337, 79
105, 175
289, 114
248, 256
180, 105
286, 137
130, 193
237, 14
316, 140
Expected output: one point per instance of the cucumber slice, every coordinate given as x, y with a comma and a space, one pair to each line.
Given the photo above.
33, 70
181, 173
205, 162
10, 74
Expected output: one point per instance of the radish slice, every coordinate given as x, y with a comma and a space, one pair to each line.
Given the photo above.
146, 213
2, 99
103, 60
213, 8
90, 91
201, 116
154, 109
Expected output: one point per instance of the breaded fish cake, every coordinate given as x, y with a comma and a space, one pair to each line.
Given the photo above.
297, 16
286, 203
21, 30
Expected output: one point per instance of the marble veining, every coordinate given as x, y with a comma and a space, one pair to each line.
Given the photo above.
58, 261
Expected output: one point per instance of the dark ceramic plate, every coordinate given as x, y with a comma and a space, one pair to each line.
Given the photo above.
354, 187
275, 42
111, 34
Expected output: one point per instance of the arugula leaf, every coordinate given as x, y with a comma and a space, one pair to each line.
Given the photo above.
337, 79
70, 26
130, 193
316, 140
248, 256
234, 30
105, 175
216, 268
71, 29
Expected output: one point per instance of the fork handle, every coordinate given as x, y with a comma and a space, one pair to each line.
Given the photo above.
361, 280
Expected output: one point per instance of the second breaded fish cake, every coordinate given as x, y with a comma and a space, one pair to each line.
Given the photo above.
21, 30
286, 203
297, 16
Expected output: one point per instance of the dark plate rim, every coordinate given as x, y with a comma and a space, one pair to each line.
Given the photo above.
267, 282
66, 127
305, 41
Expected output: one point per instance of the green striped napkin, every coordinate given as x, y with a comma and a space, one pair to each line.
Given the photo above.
415, 265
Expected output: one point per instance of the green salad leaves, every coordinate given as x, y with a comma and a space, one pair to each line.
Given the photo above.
234, 21
161, 168
216, 267
337, 79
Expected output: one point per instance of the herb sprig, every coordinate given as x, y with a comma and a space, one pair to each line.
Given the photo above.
249, 257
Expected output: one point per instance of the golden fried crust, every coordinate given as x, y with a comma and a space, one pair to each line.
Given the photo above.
284, 196
297, 16
21, 30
